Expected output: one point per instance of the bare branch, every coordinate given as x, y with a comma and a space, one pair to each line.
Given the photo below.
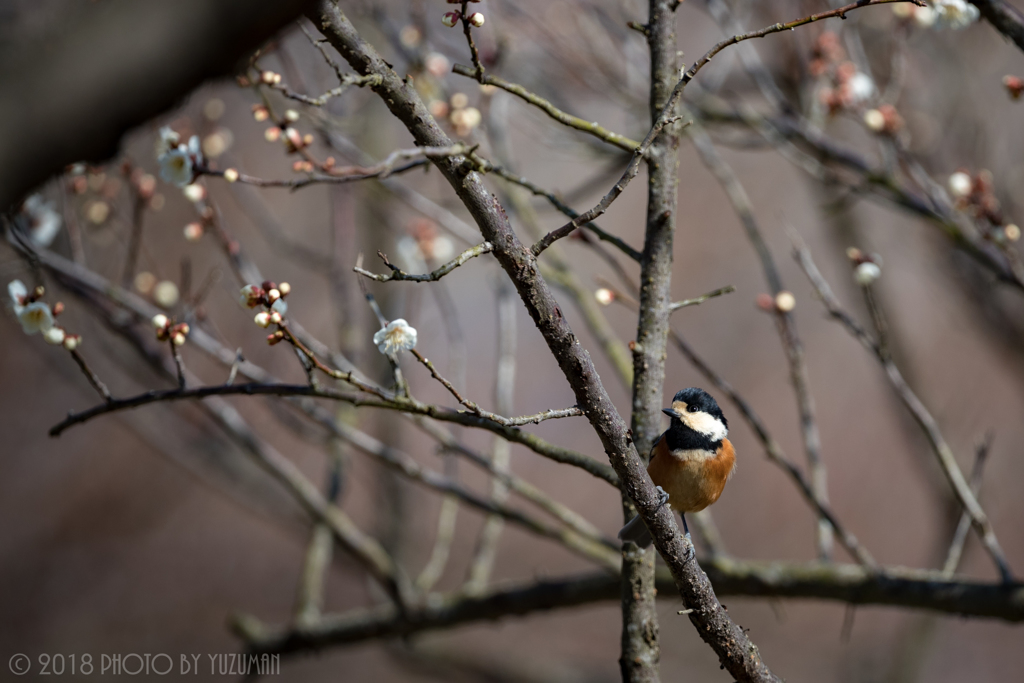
397, 274
919, 589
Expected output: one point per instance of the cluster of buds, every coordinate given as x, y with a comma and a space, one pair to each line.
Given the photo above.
884, 120
783, 302
849, 88
271, 297
976, 195
39, 317
166, 329
451, 18
269, 77
1014, 86
178, 161
866, 267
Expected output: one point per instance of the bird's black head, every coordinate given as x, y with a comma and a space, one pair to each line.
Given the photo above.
696, 409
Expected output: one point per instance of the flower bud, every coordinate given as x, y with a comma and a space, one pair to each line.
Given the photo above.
273, 295
1014, 86
785, 301
477, 19
54, 336
960, 184
874, 120
231, 175
72, 341
193, 232
450, 18
160, 321
262, 319
291, 115
275, 318
57, 308
178, 339
866, 273
604, 296
1012, 232
284, 289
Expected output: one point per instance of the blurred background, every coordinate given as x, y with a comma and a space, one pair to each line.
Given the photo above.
145, 530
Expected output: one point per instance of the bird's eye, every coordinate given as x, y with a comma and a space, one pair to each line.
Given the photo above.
692, 408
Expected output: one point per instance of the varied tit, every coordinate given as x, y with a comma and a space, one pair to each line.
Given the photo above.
690, 462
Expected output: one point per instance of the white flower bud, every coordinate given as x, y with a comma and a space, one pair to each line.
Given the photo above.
273, 295
160, 321
165, 294
275, 318
178, 339
450, 19
72, 342
195, 192
874, 120
785, 301
284, 288
1012, 232
477, 19
231, 175
291, 115
866, 273
960, 184
262, 319
604, 296
250, 296
54, 336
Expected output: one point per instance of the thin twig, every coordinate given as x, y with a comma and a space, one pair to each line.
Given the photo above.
398, 274
591, 127
178, 363
675, 306
480, 412
956, 547
93, 378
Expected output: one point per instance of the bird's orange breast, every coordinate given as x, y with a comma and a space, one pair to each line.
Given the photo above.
692, 479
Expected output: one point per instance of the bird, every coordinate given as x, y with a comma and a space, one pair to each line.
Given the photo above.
690, 462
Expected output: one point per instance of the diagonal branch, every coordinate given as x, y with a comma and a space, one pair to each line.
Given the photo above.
397, 274
924, 418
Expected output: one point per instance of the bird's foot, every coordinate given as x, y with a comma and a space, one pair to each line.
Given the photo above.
662, 496
691, 551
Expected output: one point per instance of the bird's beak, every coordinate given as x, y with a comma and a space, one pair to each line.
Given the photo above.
670, 412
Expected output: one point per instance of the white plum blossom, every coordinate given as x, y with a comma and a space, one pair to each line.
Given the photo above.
45, 221
860, 87
169, 139
398, 335
955, 14
35, 317
18, 292
866, 273
178, 161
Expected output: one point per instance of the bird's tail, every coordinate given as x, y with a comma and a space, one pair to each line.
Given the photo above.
637, 532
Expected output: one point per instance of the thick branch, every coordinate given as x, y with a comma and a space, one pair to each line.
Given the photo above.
928, 590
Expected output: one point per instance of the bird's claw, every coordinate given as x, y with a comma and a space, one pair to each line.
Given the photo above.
662, 496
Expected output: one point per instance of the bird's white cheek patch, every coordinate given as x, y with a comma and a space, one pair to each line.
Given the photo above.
709, 425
